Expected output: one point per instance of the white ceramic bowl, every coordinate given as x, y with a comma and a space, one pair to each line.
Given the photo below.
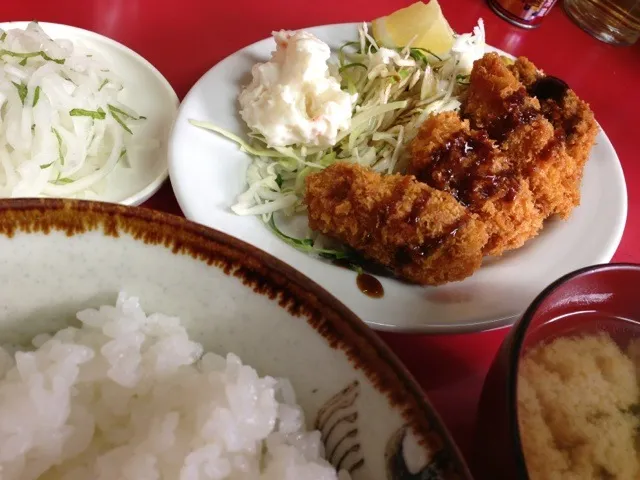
147, 92
59, 256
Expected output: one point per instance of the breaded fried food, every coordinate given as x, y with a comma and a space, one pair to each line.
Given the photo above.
496, 101
499, 104
525, 71
423, 235
447, 155
571, 117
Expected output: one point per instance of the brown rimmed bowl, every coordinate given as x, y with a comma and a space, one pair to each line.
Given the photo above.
600, 298
60, 256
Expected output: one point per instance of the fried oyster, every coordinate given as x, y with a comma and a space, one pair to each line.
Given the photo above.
448, 155
422, 234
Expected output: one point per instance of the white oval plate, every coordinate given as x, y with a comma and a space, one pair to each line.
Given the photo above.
147, 92
208, 172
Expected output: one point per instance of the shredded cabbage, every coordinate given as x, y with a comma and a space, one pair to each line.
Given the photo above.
62, 128
396, 91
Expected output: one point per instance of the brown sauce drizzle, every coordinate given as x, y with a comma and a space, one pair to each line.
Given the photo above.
370, 285
549, 88
390, 206
550, 148
366, 282
553, 111
462, 167
407, 254
570, 124
416, 210
552, 91
516, 114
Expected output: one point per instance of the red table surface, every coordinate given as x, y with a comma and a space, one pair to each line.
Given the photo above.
184, 38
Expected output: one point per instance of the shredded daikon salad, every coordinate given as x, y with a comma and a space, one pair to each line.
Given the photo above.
62, 128
396, 89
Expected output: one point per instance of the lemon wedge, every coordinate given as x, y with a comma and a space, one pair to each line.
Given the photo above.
421, 22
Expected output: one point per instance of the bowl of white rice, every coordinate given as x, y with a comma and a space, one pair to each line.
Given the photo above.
138, 345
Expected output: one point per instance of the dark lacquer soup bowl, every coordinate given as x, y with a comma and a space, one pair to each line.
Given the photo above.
561, 398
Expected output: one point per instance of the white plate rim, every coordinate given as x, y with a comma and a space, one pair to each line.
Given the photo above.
154, 185
479, 323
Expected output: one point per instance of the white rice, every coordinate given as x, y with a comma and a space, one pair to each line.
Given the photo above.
129, 396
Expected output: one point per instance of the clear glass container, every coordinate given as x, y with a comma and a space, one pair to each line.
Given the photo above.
613, 21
